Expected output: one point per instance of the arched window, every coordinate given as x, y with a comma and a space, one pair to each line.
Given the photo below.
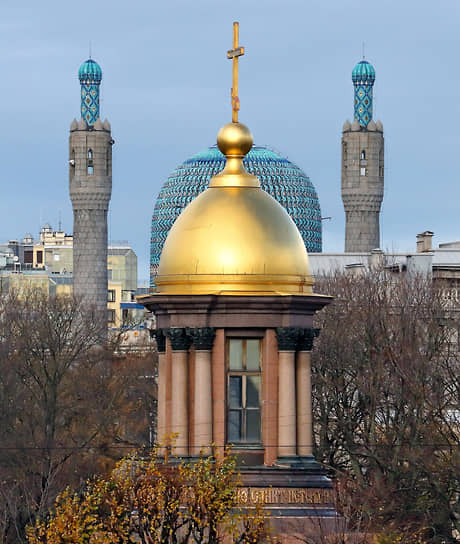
363, 155
89, 161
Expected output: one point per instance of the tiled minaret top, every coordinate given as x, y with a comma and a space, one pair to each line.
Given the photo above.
90, 76
363, 77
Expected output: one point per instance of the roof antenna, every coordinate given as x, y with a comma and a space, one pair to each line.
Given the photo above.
364, 57
89, 48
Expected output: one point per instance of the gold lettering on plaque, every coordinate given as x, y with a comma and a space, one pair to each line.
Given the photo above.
283, 495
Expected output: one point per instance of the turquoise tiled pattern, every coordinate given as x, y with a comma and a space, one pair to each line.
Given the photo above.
90, 76
282, 179
363, 77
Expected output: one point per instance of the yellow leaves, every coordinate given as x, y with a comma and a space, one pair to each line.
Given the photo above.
75, 520
148, 501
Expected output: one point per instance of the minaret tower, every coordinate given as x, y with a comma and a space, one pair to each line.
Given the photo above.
362, 167
90, 180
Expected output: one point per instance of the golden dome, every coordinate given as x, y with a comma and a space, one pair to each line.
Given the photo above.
234, 238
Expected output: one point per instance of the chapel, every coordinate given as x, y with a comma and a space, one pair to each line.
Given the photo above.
234, 306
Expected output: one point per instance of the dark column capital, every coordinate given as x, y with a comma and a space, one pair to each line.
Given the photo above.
160, 337
306, 338
203, 337
180, 340
287, 338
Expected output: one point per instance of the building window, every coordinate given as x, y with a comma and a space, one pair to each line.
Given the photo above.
381, 172
243, 391
111, 295
39, 257
111, 316
90, 162
363, 155
363, 171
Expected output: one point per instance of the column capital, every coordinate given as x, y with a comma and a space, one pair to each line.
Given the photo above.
160, 337
180, 340
287, 338
306, 338
203, 337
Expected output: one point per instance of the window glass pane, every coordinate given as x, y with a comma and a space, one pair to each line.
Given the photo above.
252, 354
235, 354
234, 392
252, 391
253, 426
234, 426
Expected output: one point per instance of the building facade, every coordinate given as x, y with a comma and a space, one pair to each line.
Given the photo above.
47, 264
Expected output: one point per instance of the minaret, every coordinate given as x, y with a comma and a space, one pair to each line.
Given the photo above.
362, 167
90, 180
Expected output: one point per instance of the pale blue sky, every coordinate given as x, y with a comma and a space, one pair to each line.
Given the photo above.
166, 86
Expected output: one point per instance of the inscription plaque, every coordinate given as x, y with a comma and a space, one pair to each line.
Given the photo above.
284, 495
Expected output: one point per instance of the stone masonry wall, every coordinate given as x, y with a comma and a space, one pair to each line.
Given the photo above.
90, 180
362, 187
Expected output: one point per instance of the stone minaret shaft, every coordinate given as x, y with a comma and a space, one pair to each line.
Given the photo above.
362, 167
90, 179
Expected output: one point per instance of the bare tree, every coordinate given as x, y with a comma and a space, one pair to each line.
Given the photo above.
386, 388
63, 404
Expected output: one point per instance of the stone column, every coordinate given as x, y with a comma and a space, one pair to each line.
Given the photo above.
180, 342
161, 389
270, 397
203, 340
219, 389
303, 393
287, 343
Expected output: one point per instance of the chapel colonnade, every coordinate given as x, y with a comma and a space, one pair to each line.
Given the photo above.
193, 390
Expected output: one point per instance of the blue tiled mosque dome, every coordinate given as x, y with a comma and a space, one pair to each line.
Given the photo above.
282, 179
363, 72
90, 71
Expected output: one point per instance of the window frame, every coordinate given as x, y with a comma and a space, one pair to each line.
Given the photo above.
244, 373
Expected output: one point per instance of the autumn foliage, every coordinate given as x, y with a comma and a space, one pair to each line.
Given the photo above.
152, 501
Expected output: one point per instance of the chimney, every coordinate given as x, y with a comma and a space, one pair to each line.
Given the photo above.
424, 241
377, 258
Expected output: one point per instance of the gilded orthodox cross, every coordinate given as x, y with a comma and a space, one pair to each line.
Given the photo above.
236, 52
